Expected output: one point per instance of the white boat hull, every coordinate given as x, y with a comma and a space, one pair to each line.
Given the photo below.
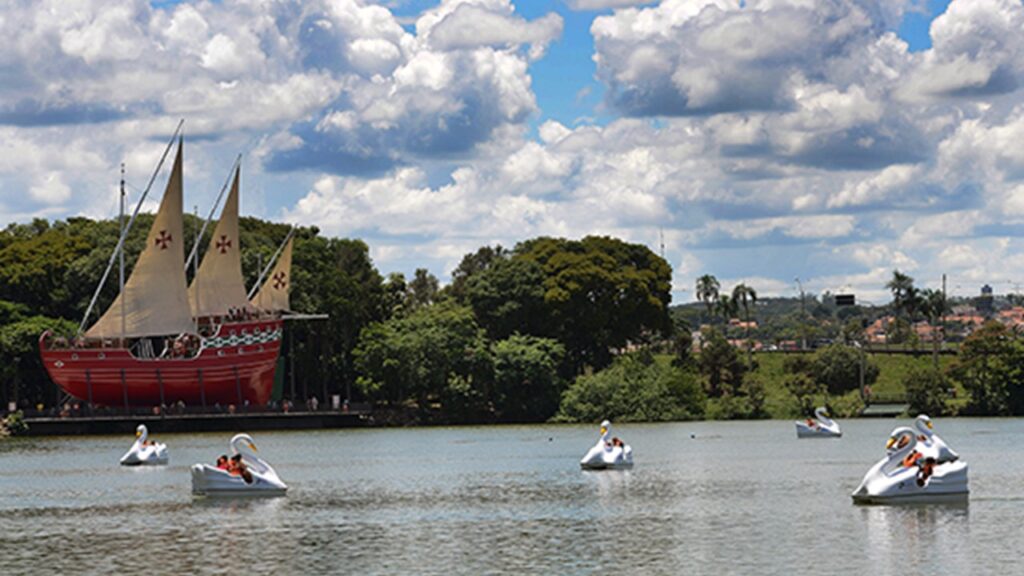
210, 481
805, 431
153, 455
601, 457
948, 483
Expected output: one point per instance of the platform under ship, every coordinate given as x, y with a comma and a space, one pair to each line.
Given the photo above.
162, 340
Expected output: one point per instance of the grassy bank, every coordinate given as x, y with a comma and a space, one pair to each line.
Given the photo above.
893, 368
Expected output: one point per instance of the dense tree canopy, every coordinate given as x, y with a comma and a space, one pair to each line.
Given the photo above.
634, 388
602, 293
415, 356
991, 368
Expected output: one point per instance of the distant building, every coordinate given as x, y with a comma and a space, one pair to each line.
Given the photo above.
877, 331
1012, 318
737, 323
985, 301
928, 333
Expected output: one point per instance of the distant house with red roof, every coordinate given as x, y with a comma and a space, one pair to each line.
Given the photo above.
877, 331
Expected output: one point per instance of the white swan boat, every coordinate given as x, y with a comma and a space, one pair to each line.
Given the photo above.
824, 427
607, 454
143, 452
263, 479
929, 443
892, 481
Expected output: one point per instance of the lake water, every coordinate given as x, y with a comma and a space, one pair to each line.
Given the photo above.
703, 498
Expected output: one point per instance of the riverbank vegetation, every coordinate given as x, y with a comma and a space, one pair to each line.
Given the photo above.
552, 328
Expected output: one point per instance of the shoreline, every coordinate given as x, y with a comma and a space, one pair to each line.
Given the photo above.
125, 424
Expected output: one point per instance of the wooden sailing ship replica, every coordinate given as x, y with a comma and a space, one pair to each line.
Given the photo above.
162, 341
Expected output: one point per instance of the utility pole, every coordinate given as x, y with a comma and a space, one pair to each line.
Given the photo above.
803, 316
941, 328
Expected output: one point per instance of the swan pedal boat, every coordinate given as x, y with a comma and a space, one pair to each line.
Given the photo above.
825, 427
604, 456
145, 454
212, 481
890, 482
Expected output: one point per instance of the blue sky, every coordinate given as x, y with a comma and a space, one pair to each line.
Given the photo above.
830, 140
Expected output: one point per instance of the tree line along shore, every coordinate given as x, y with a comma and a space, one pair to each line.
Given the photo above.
551, 329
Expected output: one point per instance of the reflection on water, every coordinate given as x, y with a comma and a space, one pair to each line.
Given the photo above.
925, 536
730, 498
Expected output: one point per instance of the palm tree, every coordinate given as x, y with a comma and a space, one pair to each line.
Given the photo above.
746, 297
904, 295
707, 292
932, 304
726, 306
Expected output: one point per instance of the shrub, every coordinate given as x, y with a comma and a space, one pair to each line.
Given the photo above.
927, 391
634, 388
13, 425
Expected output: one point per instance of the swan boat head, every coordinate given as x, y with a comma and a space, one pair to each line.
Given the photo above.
933, 445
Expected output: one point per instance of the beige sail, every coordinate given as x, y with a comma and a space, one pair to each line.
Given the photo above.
219, 285
155, 296
273, 294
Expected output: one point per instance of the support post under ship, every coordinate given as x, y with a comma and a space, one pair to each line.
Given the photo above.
162, 341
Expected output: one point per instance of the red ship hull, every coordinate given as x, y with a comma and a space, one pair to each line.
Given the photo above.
234, 365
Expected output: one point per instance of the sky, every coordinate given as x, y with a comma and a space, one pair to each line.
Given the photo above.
786, 144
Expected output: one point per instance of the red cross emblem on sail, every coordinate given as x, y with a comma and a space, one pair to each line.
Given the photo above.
279, 281
163, 240
223, 244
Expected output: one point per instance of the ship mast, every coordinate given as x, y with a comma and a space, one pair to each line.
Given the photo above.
120, 221
195, 263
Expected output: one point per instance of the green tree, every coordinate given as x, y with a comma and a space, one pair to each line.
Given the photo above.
707, 292
837, 368
805, 389
395, 289
932, 304
744, 296
899, 331
635, 388
682, 348
416, 356
720, 364
904, 294
927, 391
423, 289
727, 307
602, 294
20, 363
508, 297
990, 367
527, 387
471, 265
753, 389
853, 331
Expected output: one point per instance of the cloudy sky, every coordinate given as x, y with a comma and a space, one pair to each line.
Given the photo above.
758, 140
